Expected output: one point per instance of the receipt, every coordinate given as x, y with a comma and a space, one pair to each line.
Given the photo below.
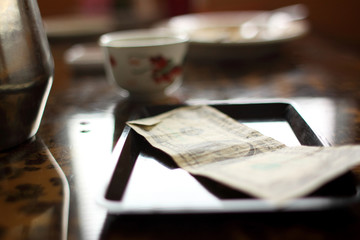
206, 142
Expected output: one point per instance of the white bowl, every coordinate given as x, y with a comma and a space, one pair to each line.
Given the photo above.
146, 63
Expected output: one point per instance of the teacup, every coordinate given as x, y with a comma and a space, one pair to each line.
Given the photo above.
146, 63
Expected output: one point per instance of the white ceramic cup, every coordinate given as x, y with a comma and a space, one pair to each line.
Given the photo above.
146, 63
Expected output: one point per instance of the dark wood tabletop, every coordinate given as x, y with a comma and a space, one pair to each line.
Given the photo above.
85, 116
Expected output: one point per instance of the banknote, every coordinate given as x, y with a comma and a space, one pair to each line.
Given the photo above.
206, 142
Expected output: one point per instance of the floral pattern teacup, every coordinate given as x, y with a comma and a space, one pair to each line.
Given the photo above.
146, 63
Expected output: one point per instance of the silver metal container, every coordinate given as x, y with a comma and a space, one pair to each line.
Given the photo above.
26, 71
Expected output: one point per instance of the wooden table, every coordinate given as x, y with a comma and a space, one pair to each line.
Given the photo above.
85, 116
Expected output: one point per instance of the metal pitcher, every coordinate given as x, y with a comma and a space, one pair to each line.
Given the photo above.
26, 71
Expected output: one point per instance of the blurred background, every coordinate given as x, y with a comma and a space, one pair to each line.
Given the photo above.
333, 18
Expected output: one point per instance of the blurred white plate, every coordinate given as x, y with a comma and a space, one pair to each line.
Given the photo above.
85, 57
239, 34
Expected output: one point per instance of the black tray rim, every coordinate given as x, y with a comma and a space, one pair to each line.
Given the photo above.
243, 206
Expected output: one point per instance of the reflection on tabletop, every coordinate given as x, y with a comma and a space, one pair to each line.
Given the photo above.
34, 194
